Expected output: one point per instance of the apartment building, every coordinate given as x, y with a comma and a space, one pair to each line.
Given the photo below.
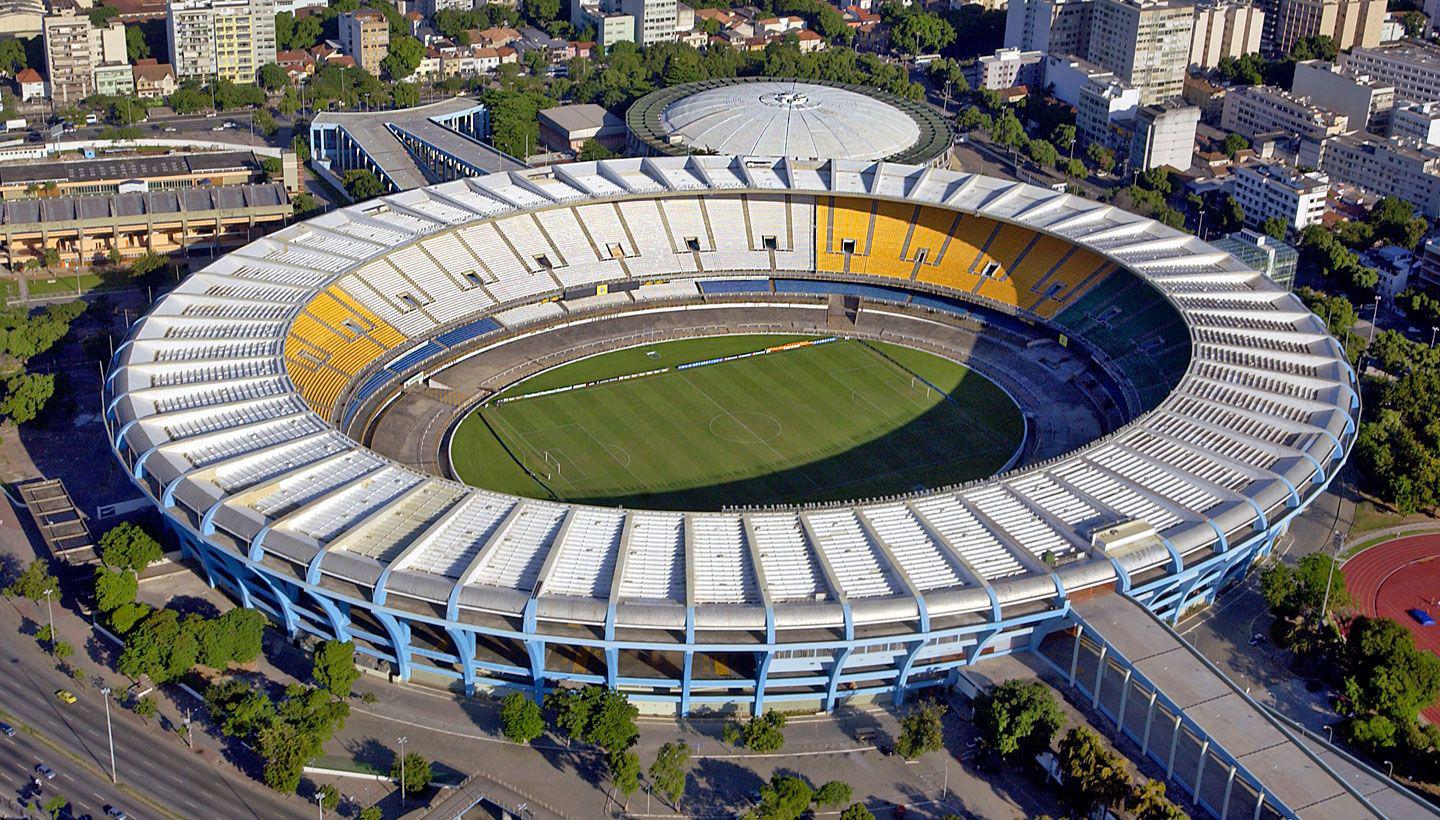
654, 19
1350, 23
1418, 121
1105, 113
1259, 110
1404, 168
1361, 98
1164, 135
1412, 67
1145, 42
1224, 29
1066, 75
1269, 190
70, 53
231, 39
365, 36
1054, 27
1007, 68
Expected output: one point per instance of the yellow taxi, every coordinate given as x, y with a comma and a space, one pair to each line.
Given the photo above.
65, 695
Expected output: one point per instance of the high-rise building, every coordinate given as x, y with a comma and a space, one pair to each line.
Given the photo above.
1412, 67
1350, 23
1104, 112
1145, 42
1225, 29
1404, 168
654, 19
70, 53
230, 39
1007, 68
1164, 136
1270, 190
1260, 110
1365, 101
1420, 121
365, 36
1055, 27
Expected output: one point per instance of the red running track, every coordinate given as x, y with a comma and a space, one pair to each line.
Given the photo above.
1390, 578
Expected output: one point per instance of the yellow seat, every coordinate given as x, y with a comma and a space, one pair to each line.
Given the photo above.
331, 341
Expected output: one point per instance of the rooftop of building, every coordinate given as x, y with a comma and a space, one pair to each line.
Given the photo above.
1405, 49
580, 117
122, 168
1286, 175
73, 208
766, 116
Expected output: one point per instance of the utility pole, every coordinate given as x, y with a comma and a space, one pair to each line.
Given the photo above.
50, 610
1337, 540
110, 735
402, 771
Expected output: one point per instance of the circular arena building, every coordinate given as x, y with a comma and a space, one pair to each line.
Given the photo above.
767, 116
291, 410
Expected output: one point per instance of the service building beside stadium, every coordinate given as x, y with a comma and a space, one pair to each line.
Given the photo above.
1220, 408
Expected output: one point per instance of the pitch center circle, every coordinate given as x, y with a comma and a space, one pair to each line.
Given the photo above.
746, 427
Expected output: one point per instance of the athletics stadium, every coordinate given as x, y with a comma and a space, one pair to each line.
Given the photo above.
724, 432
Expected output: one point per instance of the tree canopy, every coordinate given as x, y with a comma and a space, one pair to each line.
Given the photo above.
520, 718
920, 730
333, 667
1018, 718
128, 546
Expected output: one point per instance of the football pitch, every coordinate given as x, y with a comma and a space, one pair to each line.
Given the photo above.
835, 420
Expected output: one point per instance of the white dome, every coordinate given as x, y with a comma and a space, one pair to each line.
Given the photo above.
789, 119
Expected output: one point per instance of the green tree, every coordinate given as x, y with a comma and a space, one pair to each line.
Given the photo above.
362, 184
12, 56
1234, 144
1389, 677
146, 264
592, 150
669, 770
114, 589
161, 646
595, 715
329, 797
56, 805
1103, 157
406, 95
1149, 802
417, 772
285, 750
264, 122
1075, 168
1007, 130
62, 650
333, 668
857, 811
1018, 719
404, 57
1043, 153
1299, 591
370, 813
273, 77
1275, 227
26, 395
833, 794
128, 546
1094, 775
785, 797
1395, 222
34, 581
520, 718
625, 773
920, 730
125, 616
765, 733
922, 32
145, 708
136, 48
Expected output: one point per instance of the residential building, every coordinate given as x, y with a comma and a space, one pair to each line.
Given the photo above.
31, 85
1066, 75
1404, 168
1427, 263
1164, 136
1224, 29
1007, 68
112, 79
1412, 67
1055, 27
1207, 96
1394, 265
365, 35
1145, 42
154, 78
103, 177
1103, 103
70, 54
609, 25
1363, 100
1256, 111
1419, 121
654, 19
1350, 23
231, 39
1268, 190
1276, 259
569, 127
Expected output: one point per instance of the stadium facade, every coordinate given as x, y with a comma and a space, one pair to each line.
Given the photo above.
227, 405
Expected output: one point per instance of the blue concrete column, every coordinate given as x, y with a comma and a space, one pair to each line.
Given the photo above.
399, 634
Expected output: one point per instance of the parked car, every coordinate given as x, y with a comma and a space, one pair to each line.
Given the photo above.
1422, 617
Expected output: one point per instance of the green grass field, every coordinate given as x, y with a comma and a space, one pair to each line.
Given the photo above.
842, 420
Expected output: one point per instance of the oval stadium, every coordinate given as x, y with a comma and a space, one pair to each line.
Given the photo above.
733, 431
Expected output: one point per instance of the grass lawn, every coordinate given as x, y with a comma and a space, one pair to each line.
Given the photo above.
841, 420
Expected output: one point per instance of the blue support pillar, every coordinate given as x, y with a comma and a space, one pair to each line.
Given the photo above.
339, 621
688, 661
762, 666
535, 651
287, 607
399, 634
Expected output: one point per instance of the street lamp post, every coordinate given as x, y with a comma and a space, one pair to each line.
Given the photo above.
1330, 733
320, 802
50, 612
1432, 335
109, 734
1336, 540
402, 770
1390, 769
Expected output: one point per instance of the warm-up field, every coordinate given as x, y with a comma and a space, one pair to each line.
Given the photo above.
843, 419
